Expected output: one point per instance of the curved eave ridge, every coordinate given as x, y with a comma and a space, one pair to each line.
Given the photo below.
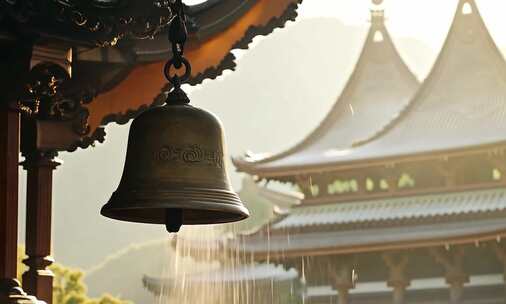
465, 89
376, 92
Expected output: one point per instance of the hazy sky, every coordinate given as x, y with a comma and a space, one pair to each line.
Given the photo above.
426, 20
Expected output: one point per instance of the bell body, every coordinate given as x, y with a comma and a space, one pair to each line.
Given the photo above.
175, 170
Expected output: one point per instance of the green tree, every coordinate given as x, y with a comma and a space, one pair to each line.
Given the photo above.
68, 285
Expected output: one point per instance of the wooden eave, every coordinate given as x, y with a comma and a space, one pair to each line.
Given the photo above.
474, 239
145, 85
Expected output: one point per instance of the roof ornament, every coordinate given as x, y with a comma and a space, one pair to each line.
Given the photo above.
174, 170
377, 13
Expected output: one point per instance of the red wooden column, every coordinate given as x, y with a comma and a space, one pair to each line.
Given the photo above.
38, 280
14, 66
10, 289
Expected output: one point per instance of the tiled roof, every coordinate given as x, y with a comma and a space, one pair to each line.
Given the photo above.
391, 209
396, 223
373, 239
461, 105
228, 275
376, 92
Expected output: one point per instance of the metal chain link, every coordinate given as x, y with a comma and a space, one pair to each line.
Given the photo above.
178, 35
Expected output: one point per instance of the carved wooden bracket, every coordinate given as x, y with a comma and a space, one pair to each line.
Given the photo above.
397, 263
452, 259
500, 251
54, 116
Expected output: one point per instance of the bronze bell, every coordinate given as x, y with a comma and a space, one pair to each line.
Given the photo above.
174, 171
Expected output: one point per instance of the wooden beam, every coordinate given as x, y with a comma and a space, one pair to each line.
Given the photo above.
353, 197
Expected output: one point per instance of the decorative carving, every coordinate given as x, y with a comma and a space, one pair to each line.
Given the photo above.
97, 21
191, 154
50, 96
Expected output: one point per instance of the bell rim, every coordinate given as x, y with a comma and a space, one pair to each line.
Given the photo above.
235, 212
226, 204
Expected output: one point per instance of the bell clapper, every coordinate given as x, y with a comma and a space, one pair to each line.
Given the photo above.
173, 220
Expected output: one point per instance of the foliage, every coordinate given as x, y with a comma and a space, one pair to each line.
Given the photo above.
68, 285
21, 267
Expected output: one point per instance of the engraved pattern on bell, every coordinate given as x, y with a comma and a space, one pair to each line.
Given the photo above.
175, 165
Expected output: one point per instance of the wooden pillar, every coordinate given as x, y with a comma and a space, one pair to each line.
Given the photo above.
398, 280
14, 66
38, 280
453, 262
500, 251
10, 289
447, 170
343, 276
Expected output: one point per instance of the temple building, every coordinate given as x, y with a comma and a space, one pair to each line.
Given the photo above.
404, 185
410, 209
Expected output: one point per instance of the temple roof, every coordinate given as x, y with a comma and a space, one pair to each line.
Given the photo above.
367, 240
414, 208
257, 273
378, 89
395, 223
465, 217
465, 89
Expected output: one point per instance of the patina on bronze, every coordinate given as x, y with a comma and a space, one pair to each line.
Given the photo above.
174, 170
